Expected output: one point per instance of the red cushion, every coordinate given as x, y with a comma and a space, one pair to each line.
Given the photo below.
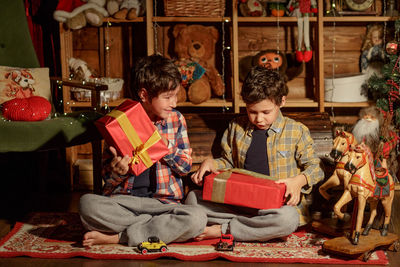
34, 108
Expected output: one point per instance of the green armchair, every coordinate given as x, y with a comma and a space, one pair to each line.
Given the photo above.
16, 49
62, 131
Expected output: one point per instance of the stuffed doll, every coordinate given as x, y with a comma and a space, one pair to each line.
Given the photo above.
126, 9
375, 130
303, 9
284, 63
77, 13
79, 70
195, 49
373, 54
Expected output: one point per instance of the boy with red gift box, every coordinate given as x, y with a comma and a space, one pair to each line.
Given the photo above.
265, 142
135, 207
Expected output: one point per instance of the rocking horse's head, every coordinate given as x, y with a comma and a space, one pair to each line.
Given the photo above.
341, 144
358, 157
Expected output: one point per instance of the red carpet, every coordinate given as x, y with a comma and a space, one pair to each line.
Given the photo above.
49, 235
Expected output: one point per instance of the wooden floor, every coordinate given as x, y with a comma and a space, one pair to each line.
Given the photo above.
62, 202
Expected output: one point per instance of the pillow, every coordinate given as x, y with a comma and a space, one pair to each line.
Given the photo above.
23, 83
34, 108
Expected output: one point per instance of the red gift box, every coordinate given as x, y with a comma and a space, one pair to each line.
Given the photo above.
131, 132
244, 188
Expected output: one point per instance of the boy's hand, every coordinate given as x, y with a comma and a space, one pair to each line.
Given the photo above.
118, 164
206, 166
293, 188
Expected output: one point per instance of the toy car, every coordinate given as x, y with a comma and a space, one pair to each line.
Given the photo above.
226, 242
154, 244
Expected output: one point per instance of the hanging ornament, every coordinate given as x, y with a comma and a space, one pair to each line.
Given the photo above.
392, 47
393, 94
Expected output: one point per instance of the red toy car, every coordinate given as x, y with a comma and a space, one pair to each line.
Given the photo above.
226, 242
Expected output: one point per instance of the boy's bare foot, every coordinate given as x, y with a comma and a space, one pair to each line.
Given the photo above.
96, 238
213, 231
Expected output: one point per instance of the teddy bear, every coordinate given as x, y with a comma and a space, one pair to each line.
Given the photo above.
196, 44
77, 13
126, 9
285, 63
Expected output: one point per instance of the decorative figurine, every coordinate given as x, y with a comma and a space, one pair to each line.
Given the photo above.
303, 9
226, 242
340, 150
154, 244
378, 133
368, 184
373, 53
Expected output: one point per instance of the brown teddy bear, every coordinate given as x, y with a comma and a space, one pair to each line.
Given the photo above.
196, 43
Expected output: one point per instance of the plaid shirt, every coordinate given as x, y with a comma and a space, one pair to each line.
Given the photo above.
290, 151
178, 162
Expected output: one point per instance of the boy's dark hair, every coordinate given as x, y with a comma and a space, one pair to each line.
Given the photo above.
262, 83
156, 74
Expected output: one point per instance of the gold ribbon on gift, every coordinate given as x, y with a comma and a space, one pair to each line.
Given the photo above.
219, 186
221, 179
140, 148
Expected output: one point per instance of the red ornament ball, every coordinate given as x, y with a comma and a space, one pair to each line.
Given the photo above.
34, 108
392, 48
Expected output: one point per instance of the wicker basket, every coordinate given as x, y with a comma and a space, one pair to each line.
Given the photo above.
194, 8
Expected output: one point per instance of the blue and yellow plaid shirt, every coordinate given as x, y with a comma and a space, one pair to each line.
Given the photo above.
169, 169
290, 151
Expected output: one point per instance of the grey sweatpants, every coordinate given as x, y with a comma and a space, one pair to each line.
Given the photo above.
137, 218
247, 224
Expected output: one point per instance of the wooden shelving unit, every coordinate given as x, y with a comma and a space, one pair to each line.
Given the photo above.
313, 77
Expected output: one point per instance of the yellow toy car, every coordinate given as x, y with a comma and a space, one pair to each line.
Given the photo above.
154, 244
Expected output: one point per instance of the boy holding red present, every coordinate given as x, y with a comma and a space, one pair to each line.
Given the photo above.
265, 142
135, 207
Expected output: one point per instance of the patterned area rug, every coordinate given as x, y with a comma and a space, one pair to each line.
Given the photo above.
58, 235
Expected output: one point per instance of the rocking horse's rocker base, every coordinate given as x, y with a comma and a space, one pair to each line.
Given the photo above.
367, 244
331, 226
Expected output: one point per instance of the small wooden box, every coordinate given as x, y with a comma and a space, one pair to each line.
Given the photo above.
83, 178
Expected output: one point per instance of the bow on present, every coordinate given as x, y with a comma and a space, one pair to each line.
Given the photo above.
140, 149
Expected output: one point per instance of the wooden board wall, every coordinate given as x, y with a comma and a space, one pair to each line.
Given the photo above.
342, 48
89, 46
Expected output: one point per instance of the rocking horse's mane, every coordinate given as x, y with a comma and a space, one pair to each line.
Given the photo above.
370, 158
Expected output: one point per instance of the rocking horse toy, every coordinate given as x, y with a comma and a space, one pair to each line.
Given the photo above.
368, 185
340, 177
341, 146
